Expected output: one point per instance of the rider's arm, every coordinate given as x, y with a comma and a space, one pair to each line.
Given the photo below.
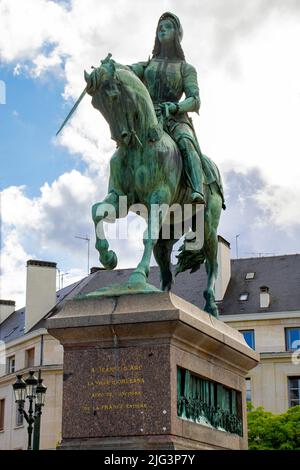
94, 78
191, 90
139, 69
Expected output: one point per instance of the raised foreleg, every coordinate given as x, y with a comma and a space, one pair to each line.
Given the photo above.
106, 211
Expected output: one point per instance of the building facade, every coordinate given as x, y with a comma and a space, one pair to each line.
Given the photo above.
263, 302
22, 356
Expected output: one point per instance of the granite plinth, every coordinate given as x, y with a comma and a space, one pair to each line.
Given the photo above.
120, 371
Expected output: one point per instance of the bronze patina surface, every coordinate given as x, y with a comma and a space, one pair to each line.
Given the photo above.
158, 161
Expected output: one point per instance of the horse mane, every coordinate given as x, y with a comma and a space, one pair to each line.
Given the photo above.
136, 102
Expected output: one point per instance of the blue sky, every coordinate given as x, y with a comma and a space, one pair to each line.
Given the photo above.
33, 112
246, 55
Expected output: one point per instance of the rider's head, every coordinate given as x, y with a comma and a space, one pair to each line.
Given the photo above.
168, 29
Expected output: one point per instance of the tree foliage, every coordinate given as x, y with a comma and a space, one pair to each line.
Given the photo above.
267, 431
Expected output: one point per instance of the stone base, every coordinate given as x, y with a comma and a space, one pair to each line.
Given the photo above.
121, 360
137, 443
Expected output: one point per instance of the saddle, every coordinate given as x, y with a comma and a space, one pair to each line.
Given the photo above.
212, 175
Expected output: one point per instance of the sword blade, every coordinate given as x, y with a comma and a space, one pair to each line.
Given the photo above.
72, 111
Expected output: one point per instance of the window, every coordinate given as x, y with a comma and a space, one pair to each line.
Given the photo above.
29, 358
2, 411
248, 390
19, 418
249, 337
249, 276
292, 339
294, 391
244, 296
11, 365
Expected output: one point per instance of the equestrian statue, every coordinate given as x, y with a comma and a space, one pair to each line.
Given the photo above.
158, 161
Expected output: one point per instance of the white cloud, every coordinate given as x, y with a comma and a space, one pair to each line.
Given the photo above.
26, 26
282, 204
43, 226
266, 216
13, 262
17, 70
17, 209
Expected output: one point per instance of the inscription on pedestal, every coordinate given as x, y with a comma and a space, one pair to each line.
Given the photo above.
120, 391
109, 387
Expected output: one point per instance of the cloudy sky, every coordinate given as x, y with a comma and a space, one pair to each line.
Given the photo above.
247, 57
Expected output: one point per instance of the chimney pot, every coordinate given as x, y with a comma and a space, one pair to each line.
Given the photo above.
35, 262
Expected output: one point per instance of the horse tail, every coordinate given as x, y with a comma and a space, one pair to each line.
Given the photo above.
189, 259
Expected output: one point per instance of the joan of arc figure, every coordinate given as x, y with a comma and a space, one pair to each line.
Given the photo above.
167, 77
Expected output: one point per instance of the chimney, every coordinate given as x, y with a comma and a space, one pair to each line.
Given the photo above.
7, 307
264, 297
224, 268
40, 291
95, 269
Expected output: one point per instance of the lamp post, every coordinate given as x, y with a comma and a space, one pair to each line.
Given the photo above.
39, 403
33, 389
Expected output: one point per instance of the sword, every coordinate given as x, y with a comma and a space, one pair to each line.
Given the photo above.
72, 110
106, 60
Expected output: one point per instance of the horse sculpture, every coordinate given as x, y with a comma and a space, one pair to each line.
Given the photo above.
147, 168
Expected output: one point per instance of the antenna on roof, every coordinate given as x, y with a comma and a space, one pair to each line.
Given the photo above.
87, 239
61, 278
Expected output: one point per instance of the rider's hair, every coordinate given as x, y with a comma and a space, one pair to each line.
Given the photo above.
178, 49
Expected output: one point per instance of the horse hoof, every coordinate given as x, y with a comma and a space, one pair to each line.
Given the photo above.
166, 284
166, 287
109, 260
213, 311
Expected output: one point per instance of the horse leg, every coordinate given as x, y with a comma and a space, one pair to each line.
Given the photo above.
107, 210
211, 221
159, 200
162, 253
211, 266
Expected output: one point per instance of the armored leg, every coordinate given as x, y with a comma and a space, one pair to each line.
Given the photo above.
192, 168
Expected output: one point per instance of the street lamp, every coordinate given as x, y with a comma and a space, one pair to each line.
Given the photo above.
20, 390
39, 403
40, 392
33, 389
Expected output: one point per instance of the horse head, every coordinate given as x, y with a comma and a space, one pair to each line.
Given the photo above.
124, 102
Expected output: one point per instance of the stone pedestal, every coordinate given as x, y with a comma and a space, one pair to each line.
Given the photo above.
123, 358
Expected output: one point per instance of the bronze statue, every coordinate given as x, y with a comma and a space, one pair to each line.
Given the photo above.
158, 160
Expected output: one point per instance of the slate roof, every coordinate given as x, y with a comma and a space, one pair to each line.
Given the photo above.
280, 273
13, 327
186, 286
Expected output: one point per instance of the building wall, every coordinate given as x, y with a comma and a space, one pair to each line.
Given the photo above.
269, 380
51, 423
14, 437
11, 437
